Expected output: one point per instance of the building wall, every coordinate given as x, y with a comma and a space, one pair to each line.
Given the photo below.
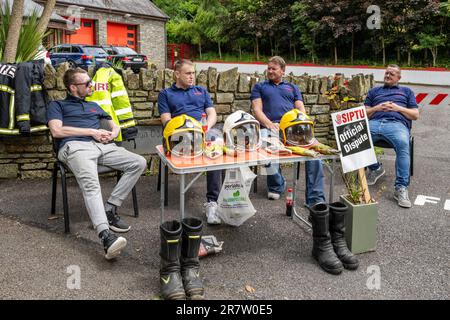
151, 34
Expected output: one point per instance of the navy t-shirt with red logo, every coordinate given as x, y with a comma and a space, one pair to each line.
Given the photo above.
403, 96
192, 101
78, 113
276, 99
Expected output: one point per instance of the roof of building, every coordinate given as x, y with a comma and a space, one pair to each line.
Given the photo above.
30, 6
137, 7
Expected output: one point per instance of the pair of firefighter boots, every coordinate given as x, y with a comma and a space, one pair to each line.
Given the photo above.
329, 246
179, 273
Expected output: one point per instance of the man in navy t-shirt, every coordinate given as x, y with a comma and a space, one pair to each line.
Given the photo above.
391, 109
179, 275
83, 145
185, 98
271, 99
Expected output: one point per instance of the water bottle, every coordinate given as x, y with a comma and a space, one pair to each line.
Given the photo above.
289, 202
204, 123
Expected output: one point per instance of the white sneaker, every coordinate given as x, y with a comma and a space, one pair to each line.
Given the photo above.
401, 195
211, 213
273, 196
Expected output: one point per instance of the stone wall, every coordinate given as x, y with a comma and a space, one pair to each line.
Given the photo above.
22, 157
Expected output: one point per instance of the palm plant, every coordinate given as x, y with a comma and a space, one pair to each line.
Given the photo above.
29, 39
5, 17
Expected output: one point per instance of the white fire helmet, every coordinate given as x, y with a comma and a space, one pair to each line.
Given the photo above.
241, 132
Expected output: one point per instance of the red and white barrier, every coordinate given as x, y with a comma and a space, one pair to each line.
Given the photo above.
432, 99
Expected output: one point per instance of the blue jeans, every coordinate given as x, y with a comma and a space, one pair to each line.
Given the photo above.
314, 179
397, 134
314, 182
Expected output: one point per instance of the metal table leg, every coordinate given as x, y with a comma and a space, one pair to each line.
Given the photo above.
182, 191
295, 216
162, 187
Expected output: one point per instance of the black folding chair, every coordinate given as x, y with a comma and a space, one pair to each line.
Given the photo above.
63, 169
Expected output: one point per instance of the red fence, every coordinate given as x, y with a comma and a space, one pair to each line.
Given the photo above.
176, 51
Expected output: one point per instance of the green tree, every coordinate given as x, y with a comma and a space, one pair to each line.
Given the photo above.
305, 28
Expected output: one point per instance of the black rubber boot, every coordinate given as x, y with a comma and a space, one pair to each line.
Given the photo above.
322, 249
190, 264
338, 210
170, 277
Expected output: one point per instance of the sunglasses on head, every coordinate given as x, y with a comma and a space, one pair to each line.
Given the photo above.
87, 83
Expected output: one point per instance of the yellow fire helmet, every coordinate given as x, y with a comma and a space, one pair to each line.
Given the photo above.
184, 137
296, 129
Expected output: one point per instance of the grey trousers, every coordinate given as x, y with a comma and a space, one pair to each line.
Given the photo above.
82, 158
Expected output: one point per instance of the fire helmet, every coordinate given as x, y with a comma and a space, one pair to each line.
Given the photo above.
241, 132
296, 129
184, 137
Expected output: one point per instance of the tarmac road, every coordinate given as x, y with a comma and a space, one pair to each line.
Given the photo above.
269, 252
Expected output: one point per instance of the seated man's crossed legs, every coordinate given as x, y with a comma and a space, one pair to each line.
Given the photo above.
83, 158
397, 134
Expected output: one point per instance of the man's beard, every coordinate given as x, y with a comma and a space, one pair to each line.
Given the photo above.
85, 94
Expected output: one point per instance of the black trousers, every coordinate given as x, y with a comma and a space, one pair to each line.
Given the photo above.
213, 185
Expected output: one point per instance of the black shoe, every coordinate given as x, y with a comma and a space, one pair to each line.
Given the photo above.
112, 244
115, 223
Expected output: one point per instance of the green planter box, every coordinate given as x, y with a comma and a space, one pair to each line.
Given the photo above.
361, 226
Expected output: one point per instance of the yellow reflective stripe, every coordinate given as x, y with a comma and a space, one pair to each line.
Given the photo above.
9, 131
35, 87
38, 128
17, 132
6, 88
194, 237
23, 117
127, 124
120, 112
118, 93
172, 241
11, 112
102, 102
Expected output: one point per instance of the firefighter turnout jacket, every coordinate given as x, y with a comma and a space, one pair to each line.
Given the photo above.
23, 102
110, 93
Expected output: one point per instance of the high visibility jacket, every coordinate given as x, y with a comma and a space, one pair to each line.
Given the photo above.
23, 102
110, 93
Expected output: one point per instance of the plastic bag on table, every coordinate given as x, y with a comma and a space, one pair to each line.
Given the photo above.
234, 205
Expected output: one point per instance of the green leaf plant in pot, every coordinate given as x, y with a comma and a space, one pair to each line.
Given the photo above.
361, 219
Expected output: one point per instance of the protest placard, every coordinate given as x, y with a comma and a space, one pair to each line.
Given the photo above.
353, 138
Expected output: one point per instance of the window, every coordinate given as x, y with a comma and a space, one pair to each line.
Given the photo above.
125, 50
64, 49
87, 24
130, 27
130, 43
130, 35
76, 49
94, 51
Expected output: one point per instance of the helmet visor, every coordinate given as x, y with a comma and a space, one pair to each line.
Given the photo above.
300, 135
245, 137
187, 144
